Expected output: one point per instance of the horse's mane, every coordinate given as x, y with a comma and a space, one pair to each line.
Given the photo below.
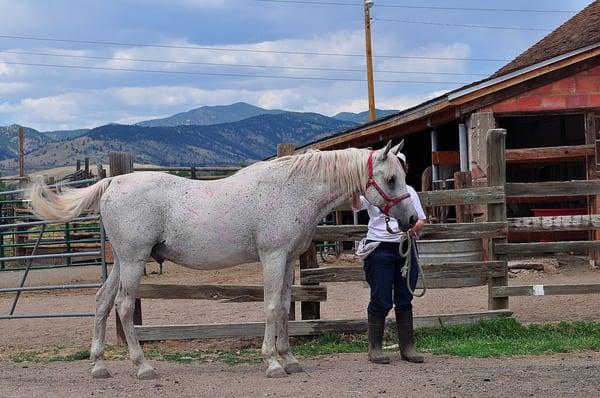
344, 170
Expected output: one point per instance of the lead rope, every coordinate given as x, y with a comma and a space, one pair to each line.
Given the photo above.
407, 255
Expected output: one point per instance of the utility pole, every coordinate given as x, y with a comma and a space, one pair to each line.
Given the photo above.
21, 154
368, 5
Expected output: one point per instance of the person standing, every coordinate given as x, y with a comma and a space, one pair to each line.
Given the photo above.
383, 272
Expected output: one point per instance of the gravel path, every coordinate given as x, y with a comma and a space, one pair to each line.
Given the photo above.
347, 375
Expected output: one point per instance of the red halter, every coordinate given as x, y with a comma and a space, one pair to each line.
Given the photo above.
389, 201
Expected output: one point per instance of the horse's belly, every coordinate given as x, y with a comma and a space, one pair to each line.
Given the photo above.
207, 253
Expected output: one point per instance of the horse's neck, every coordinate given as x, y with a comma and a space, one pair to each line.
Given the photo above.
330, 200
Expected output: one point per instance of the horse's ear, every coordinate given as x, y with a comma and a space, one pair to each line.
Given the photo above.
387, 149
396, 150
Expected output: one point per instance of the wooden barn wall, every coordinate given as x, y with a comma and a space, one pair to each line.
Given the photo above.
579, 91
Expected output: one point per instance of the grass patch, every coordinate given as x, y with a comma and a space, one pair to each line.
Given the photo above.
501, 337
504, 337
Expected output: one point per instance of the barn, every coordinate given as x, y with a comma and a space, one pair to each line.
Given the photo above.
548, 100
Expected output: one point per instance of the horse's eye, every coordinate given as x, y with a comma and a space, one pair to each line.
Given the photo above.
391, 180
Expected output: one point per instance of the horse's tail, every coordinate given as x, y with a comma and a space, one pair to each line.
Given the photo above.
68, 204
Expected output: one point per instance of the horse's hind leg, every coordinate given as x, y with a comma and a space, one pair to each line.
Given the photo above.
131, 274
273, 274
289, 362
105, 298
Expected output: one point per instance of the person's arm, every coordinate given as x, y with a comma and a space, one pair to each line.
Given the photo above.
358, 203
416, 230
420, 213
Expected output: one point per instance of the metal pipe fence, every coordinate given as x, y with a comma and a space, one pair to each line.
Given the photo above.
80, 242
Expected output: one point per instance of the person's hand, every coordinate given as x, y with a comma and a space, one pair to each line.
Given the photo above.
412, 232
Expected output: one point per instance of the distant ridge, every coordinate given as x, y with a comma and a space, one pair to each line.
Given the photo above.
208, 115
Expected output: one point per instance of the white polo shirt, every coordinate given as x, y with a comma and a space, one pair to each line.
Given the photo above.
377, 230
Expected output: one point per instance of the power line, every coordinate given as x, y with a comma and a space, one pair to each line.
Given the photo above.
331, 3
461, 25
233, 65
221, 74
246, 50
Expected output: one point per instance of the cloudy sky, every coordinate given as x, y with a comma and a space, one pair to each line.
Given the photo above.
71, 64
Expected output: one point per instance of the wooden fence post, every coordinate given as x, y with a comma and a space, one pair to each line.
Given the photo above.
592, 134
464, 213
308, 260
122, 163
496, 176
286, 150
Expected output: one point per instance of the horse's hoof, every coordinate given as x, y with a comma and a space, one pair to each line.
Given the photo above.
293, 367
146, 372
276, 372
100, 373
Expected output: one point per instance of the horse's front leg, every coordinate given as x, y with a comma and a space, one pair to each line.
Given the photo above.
274, 267
290, 364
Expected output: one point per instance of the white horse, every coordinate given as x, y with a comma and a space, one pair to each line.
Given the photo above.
265, 212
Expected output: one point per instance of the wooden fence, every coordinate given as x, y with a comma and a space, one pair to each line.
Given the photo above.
493, 272
311, 292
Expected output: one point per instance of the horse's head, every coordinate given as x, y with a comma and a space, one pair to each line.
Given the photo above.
386, 187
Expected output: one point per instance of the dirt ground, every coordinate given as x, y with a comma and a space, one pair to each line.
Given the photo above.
341, 375
347, 375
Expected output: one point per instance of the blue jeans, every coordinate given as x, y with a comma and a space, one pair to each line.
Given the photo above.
383, 271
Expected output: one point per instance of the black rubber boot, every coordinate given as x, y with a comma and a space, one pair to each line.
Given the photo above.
376, 329
406, 336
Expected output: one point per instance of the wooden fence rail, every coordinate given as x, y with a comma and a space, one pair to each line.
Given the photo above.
300, 328
445, 271
546, 290
349, 233
520, 249
558, 188
225, 293
557, 223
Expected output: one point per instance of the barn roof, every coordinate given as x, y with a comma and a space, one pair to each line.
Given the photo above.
580, 31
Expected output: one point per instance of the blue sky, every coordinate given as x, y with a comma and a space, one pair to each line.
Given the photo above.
50, 98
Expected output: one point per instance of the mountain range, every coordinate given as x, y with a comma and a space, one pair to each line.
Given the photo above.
210, 135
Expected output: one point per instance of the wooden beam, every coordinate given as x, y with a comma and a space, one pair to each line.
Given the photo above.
521, 249
546, 290
555, 188
351, 233
302, 328
549, 154
465, 196
475, 269
544, 199
308, 261
496, 212
465, 230
446, 158
225, 293
558, 223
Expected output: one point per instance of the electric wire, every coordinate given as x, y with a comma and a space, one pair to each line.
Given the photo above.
221, 74
163, 61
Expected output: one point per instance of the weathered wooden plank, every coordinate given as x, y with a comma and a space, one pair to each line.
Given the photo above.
496, 212
549, 154
555, 188
225, 293
465, 196
301, 328
308, 261
445, 157
546, 290
557, 223
350, 233
475, 269
519, 249
465, 230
